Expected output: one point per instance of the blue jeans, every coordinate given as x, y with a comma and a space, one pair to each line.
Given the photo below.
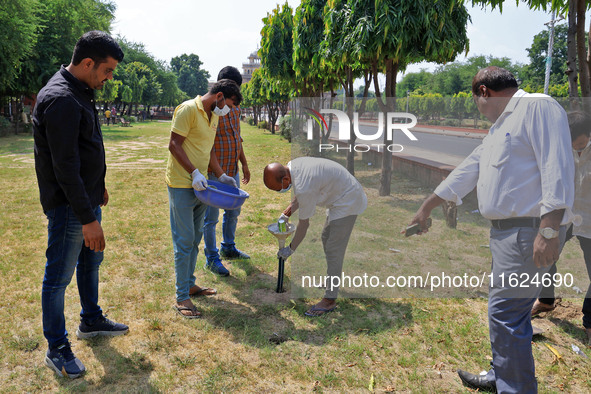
228, 227
66, 252
186, 225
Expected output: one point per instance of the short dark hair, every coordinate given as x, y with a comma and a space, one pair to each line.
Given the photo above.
229, 88
579, 124
230, 72
98, 46
494, 78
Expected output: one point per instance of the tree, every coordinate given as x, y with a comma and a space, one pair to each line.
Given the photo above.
126, 96
277, 43
413, 81
576, 39
457, 105
538, 55
146, 89
342, 19
312, 76
56, 26
191, 78
61, 24
18, 29
392, 34
277, 61
109, 92
171, 94
455, 77
251, 92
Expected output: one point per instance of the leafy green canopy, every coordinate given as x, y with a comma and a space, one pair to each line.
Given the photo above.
191, 78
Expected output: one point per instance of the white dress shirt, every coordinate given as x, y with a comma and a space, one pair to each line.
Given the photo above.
524, 166
325, 183
582, 205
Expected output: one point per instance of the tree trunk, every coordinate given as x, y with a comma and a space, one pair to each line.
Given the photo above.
450, 210
571, 62
589, 53
17, 115
350, 98
581, 50
386, 176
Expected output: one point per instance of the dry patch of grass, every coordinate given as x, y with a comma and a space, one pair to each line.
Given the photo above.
250, 338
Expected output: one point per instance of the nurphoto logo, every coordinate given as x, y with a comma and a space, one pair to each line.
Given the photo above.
394, 121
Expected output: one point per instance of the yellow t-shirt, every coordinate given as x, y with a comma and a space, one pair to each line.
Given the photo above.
108, 113
190, 121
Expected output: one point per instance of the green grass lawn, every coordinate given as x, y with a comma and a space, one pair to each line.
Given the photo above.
250, 338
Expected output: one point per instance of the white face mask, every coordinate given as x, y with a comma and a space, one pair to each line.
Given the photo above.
286, 189
221, 111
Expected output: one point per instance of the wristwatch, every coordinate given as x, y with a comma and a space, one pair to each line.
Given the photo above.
548, 232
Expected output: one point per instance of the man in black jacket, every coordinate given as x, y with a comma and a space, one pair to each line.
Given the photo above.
70, 166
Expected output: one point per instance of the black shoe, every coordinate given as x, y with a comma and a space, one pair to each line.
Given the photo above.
63, 362
217, 267
102, 326
233, 254
477, 382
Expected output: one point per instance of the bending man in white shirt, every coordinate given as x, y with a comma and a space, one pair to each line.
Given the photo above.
320, 182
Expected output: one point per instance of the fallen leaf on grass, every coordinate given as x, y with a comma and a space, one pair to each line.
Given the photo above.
557, 356
372, 382
351, 364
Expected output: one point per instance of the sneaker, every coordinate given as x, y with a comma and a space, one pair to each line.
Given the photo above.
101, 326
63, 362
217, 267
233, 254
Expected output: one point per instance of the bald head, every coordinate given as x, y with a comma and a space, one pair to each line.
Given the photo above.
276, 176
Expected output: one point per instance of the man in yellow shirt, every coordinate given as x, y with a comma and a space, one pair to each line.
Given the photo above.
194, 126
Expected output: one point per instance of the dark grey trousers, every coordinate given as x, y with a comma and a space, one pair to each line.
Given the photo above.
335, 238
509, 307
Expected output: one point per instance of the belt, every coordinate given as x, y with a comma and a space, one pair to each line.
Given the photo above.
506, 224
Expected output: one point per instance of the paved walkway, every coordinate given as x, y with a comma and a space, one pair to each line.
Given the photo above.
438, 156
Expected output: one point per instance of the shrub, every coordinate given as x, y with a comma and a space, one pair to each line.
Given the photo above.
5, 126
263, 124
250, 120
285, 127
451, 122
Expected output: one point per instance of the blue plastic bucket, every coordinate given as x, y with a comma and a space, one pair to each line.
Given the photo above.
220, 195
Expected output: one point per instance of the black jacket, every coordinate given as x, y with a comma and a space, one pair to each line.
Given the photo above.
69, 151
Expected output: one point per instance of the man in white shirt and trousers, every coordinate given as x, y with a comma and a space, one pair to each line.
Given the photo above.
524, 175
324, 183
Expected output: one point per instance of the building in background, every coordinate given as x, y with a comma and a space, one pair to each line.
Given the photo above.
254, 62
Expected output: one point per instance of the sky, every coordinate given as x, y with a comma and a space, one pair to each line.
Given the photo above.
224, 33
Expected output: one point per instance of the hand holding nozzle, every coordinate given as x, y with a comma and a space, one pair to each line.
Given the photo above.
416, 228
285, 252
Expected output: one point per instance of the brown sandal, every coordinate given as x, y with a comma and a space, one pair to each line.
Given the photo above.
197, 291
540, 307
195, 314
